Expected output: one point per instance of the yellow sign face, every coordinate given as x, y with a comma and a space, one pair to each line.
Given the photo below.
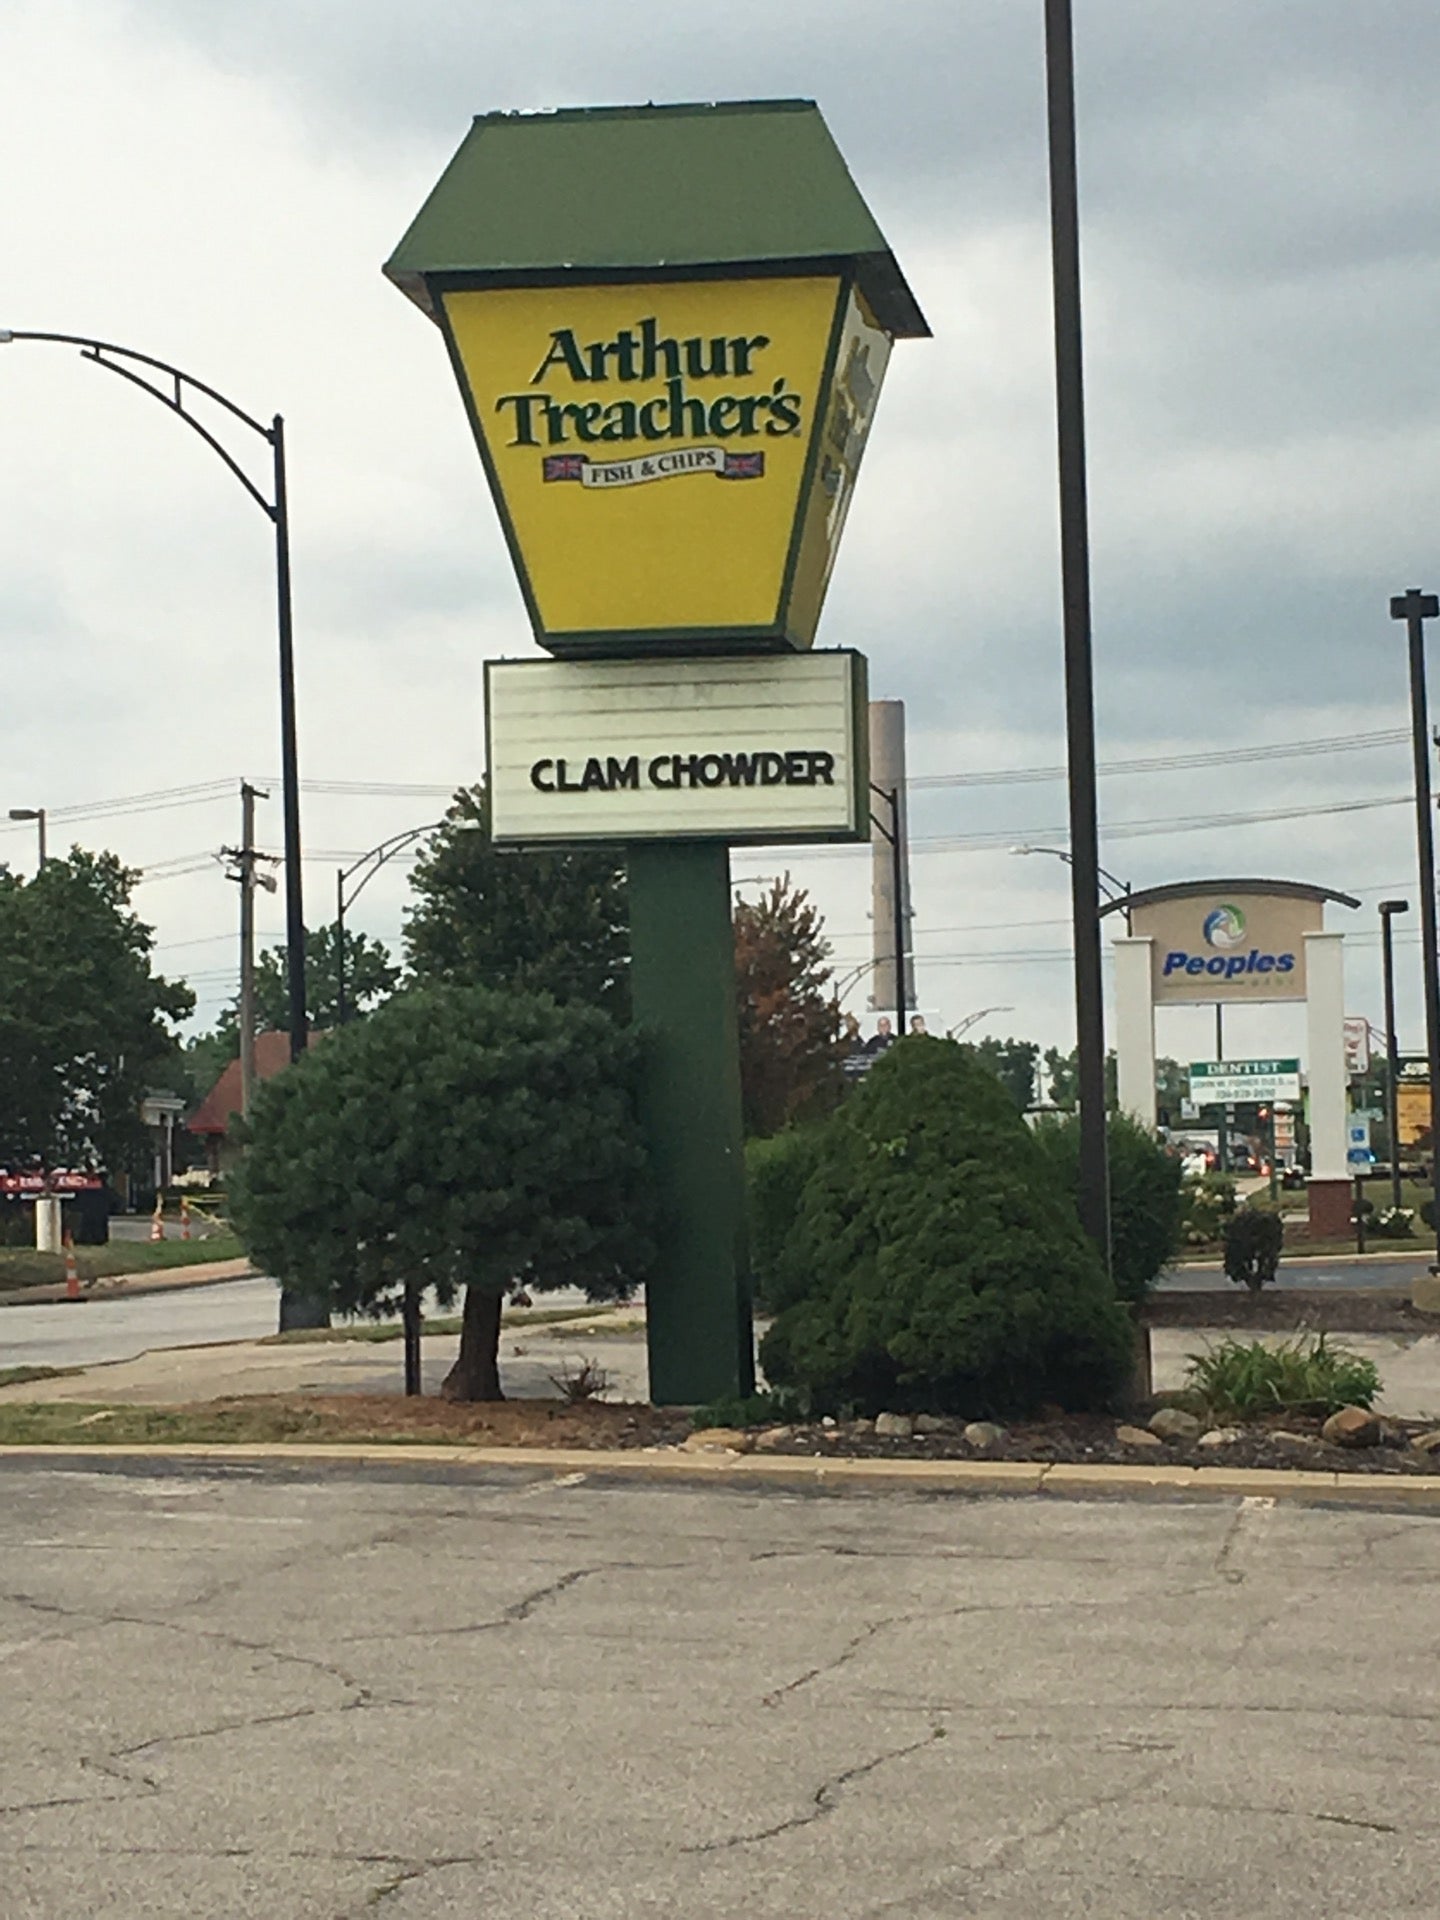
658, 451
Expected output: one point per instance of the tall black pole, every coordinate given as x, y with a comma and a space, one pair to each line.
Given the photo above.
1075, 588
289, 761
340, 1007
1415, 608
897, 878
1388, 908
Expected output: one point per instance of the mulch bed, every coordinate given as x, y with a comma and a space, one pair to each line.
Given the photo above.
1086, 1439
1089, 1440
503, 1423
1289, 1309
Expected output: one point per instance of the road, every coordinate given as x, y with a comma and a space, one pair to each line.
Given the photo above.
87, 1331
1383, 1270
440, 1692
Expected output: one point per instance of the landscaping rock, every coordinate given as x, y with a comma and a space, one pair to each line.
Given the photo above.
1352, 1427
931, 1423
1137, 1437
983, 1433
1425, 1293
1174, 1423
1221, 1437
1284, 1438
718, 1440
893, 1426
862, 1426
1427, 1442
773, 1438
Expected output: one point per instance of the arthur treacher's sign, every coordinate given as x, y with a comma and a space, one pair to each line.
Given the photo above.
672, 461
764, 748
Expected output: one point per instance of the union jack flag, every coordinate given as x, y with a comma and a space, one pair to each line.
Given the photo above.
563, 466
743, 466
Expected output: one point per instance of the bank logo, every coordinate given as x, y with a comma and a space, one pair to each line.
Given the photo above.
1225, 927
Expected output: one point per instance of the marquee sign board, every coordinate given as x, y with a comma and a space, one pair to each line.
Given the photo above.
670, 326
1233, 1083
761, 749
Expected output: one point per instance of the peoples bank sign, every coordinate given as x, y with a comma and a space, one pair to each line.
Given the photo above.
1226, 940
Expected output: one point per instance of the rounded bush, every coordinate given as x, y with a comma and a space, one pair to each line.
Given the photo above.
1146, 1201
934, 1260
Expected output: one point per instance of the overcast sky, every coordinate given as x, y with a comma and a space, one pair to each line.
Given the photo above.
218, 185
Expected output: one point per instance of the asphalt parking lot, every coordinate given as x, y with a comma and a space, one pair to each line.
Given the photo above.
425, 1691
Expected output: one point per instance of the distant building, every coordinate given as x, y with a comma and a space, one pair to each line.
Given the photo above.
212, 1119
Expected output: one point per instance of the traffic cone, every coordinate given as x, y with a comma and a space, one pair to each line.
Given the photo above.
72, 1272
184, 1219
157, 1220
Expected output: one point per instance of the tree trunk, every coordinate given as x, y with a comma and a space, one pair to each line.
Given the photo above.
412, 1318
302, 1310
476, 1372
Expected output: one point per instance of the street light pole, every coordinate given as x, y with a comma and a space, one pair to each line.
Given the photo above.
1415, 607
37, 814
1075, 590
374, 860
174, 393
1388, 909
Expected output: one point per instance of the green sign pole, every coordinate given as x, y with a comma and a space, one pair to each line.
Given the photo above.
697, 1317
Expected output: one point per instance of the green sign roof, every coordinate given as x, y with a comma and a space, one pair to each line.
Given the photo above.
591, 189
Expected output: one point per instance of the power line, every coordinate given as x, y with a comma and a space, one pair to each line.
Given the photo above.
1175, 762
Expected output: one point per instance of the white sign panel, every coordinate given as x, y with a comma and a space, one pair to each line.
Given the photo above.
1357, 1045
1228, 1083
756, 748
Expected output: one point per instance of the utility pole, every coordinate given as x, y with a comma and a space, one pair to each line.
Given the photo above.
243, 860
1075, 598
1415, 607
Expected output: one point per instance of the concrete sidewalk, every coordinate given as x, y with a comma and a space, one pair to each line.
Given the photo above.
533, 1358
204, 1273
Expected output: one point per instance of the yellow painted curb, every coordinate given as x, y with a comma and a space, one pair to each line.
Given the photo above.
974, 1477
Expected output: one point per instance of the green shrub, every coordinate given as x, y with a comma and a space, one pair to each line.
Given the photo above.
775, 1171
1392, 1223
934, 1259
1206, 1204
1239, 1379
1253, 1239
1145, 1195
755, 1410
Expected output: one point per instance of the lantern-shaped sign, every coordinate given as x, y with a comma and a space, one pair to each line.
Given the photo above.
670, 325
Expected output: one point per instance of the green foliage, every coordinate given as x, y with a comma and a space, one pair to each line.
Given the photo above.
1145, 1197
934, 1260
457, 1136
1240, 1379
555, 922
1253, 1239
84, 1021
790, 1049
1013, 1064
1205, 1206
1062, 1075
370, 977
1392, 1223
776, 1170
755, 1410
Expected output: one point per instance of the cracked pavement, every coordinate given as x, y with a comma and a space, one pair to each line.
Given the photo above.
323, 1693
